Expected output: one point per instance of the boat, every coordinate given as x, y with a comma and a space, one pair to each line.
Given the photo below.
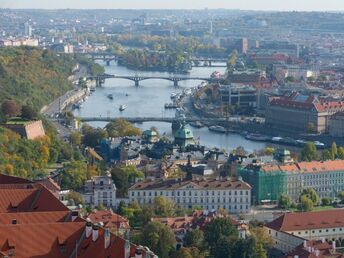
319, 144
196, 124
122, 107
217, 128
276, 139
170, 105
256, 137
173, 95
110, 96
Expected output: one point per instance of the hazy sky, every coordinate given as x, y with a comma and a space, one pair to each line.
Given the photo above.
297, 5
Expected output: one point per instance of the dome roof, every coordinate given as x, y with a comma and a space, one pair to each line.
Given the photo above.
149, 133
183, 133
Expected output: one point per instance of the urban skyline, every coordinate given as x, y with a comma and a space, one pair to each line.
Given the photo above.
265, 5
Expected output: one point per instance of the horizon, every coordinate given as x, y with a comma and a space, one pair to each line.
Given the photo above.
248, 5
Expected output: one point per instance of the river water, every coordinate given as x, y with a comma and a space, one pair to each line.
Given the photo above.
148, 100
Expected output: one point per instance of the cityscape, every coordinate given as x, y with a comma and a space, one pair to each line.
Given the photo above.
172, 130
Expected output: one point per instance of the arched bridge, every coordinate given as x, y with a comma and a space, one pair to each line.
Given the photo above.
137, 78
152, 119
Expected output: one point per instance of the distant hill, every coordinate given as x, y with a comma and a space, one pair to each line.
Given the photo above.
33, 76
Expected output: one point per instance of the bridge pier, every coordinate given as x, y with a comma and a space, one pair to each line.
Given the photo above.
175, 83
107, 62
137, 83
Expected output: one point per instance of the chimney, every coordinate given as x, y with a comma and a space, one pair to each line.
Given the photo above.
323, 240
305, 243
138, 253
106, 238
88, 229
95, 232
127, 249
334, 246
75, 214
317, 253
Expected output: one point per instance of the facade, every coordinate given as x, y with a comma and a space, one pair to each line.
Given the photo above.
291, 229
230, 194
300, 113
269, 181
241, 95
336, 125
100, 190
30, 129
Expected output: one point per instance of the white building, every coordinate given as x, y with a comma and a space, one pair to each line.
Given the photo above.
291, 229
100, 190
230, 194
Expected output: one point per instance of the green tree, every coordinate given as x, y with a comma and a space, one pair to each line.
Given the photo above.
75, 197
219, 228
309, 152
326, 201
164, 207
141, 216
121, 128
341, 196
223, 247
259, 251
27, 112
341, 152
284, 201
74, 175
334, 150
159, 238
306, 204
184, 252
327, 155
92, 136
311, 194
194, 238
75, 138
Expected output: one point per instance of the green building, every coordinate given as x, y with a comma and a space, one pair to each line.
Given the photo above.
267, 186
184, 137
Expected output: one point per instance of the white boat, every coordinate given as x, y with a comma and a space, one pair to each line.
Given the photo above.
173, 95
122, 107
217, 128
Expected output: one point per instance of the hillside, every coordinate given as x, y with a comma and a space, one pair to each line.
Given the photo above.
33, 76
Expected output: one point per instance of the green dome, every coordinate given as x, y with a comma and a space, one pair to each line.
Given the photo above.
183, 133
149, 133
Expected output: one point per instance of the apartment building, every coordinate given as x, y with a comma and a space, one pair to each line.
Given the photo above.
233, 195
100, 190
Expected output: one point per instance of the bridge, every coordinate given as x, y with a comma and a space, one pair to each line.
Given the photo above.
152, 119
100, 79
195, 61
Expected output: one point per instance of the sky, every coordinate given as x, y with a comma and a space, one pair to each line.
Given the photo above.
281, 5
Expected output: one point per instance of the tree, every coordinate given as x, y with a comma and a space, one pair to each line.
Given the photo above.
306, 204
334, 150
341, 196
75, 138
219, 227
142, 216
124, 175
259, 251
261, 235
164, 207
327, 155
311, 128
341, 152
311, 194
159, 238
92, 136
121, 128
222, 247
75, 197
194, 238
27, 112
184, 252
309, 152
284, 201
74, 175
326, 201
10, 108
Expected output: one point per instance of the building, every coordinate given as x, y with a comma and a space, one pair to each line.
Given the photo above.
299, 113
183, 137
114, 222
243, 96
315, 248
230, 194
34, 223
247, 76
336, 125
27, 29
292, 229
271, 180
28, 129
100, 190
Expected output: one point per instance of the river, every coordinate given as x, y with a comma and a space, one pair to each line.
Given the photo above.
148, 100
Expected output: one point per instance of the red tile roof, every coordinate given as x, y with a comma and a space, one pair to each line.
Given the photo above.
6, 179
308, 220
314, 249
28, 198
35, 217
109, 219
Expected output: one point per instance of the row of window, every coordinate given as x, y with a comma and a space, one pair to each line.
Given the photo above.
201, 200
189, 193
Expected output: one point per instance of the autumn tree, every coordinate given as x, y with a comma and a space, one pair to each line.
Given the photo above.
10, 108
27, 112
